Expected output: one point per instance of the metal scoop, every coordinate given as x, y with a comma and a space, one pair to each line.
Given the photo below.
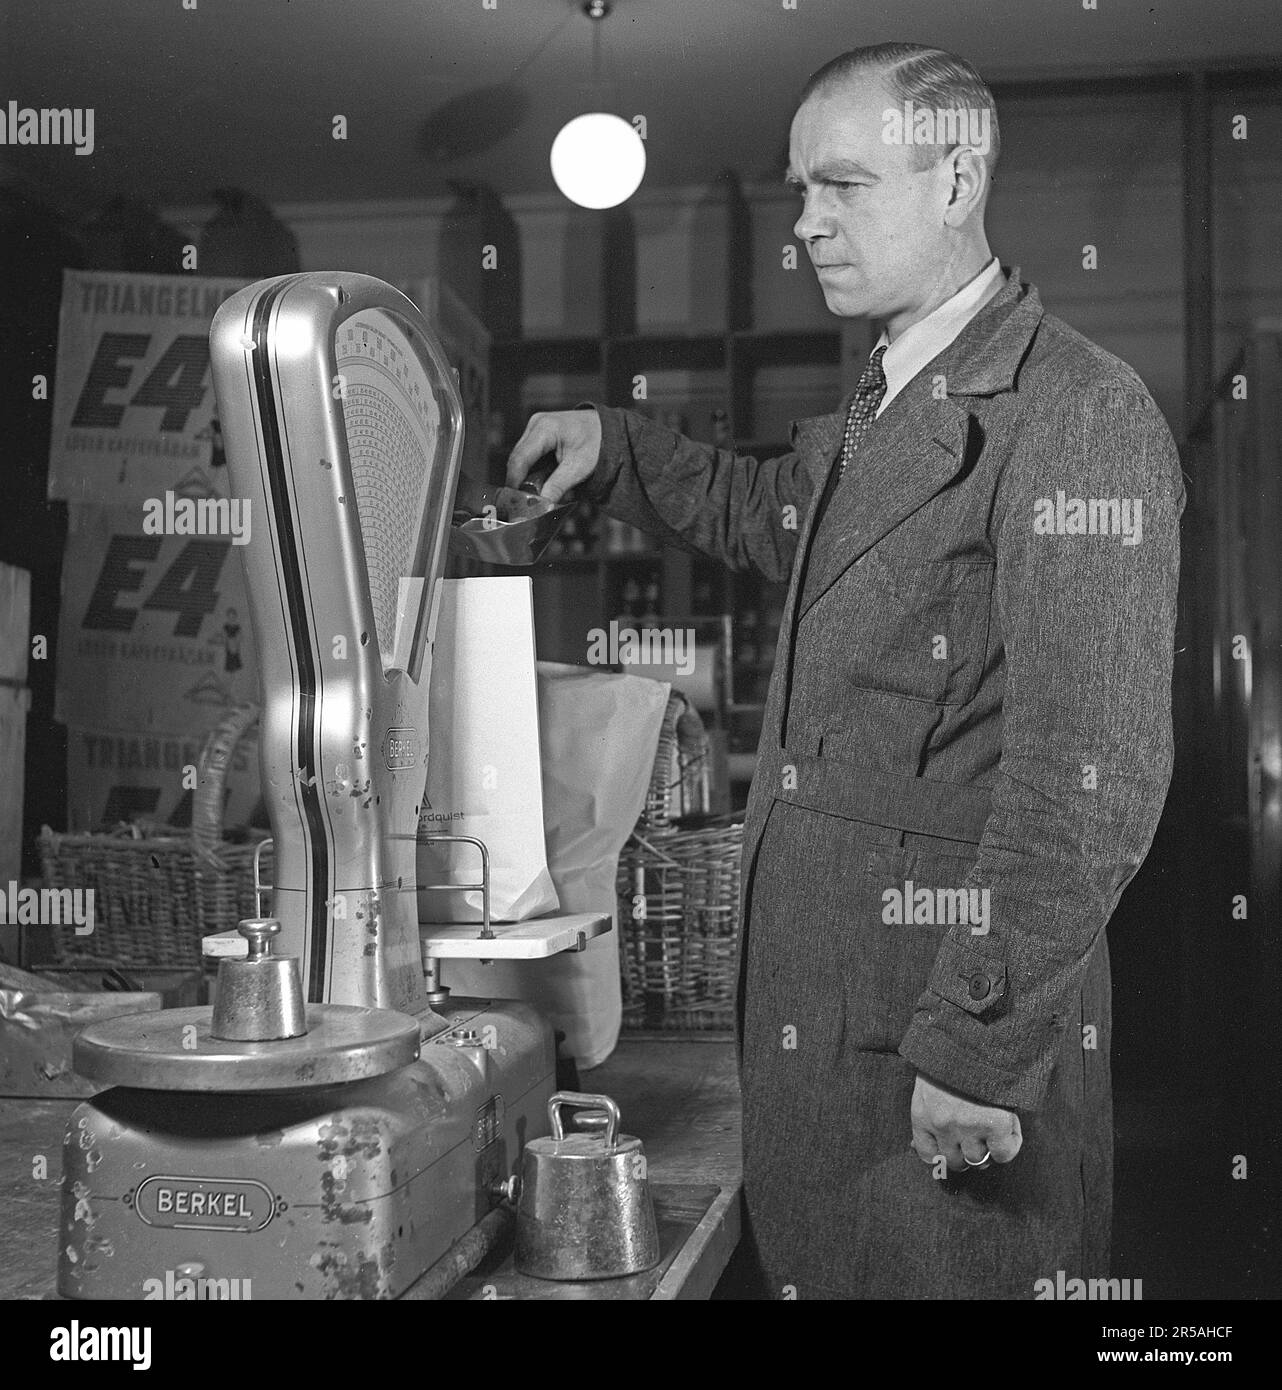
506, 525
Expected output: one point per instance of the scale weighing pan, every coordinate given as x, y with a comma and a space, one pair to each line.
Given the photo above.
503, 525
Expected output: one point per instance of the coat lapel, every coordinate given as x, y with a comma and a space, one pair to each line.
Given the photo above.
815, 441
903, 462
918, 443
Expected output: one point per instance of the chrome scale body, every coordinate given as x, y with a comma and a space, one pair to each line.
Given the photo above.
330, 469
343, 428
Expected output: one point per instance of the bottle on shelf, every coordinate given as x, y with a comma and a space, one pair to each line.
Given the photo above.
650, 602
747, 625
569, 536
590, 528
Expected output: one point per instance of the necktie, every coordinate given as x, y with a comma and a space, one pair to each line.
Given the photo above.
869, 390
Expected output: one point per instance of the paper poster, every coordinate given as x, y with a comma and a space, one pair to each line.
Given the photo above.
117, 775
154, 628
133, 403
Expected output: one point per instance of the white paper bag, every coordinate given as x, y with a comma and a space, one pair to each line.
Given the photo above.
599, 733
484, 773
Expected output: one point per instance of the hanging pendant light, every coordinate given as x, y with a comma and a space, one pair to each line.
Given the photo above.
598, 159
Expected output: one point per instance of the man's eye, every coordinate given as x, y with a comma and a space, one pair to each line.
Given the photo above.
799, 190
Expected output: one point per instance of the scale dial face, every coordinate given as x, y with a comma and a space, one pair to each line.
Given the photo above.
393, 423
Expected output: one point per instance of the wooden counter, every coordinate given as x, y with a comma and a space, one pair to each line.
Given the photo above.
680, 1096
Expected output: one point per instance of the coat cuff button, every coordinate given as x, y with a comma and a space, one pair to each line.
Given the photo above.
979, 987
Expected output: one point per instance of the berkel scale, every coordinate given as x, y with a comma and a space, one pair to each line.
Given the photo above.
337, 1147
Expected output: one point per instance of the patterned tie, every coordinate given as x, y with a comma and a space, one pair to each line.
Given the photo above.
869, 390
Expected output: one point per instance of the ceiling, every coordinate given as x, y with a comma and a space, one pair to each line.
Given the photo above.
243, 92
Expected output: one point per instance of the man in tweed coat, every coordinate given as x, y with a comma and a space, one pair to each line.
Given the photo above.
967, 741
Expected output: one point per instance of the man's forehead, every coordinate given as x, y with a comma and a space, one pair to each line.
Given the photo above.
841, 133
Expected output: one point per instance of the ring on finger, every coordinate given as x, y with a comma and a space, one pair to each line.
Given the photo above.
979, 1163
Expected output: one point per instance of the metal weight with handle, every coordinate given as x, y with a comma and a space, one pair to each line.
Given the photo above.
585, 1210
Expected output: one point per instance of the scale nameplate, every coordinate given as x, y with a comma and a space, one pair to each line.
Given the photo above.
204, 1204
400, 749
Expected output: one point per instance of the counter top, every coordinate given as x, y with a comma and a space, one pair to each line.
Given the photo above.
679, 1095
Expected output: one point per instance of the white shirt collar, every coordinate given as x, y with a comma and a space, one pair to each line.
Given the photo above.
926, 339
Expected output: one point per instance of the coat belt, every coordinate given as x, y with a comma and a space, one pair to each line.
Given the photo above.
854, 791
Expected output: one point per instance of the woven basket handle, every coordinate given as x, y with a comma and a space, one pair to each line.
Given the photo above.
211, 777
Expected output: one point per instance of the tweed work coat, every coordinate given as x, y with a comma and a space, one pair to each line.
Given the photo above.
971, 691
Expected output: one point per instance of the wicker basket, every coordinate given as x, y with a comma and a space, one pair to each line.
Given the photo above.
679, 781
679, 927
156, 894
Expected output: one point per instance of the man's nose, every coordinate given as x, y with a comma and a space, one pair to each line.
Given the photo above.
813, 222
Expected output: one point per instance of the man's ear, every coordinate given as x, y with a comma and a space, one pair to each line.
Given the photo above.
969, 187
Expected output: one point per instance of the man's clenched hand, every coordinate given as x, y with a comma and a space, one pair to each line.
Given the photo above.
574, 436
960, 1129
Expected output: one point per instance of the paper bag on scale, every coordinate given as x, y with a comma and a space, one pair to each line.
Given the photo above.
483, 768
599, 731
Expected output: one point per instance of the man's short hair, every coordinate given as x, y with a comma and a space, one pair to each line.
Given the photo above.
930, 78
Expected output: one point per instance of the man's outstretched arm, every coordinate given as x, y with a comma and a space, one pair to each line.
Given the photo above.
743, 511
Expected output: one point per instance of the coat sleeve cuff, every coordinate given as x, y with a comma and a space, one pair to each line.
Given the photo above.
614, 449
930, 1048
965, 1021
967, 1024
